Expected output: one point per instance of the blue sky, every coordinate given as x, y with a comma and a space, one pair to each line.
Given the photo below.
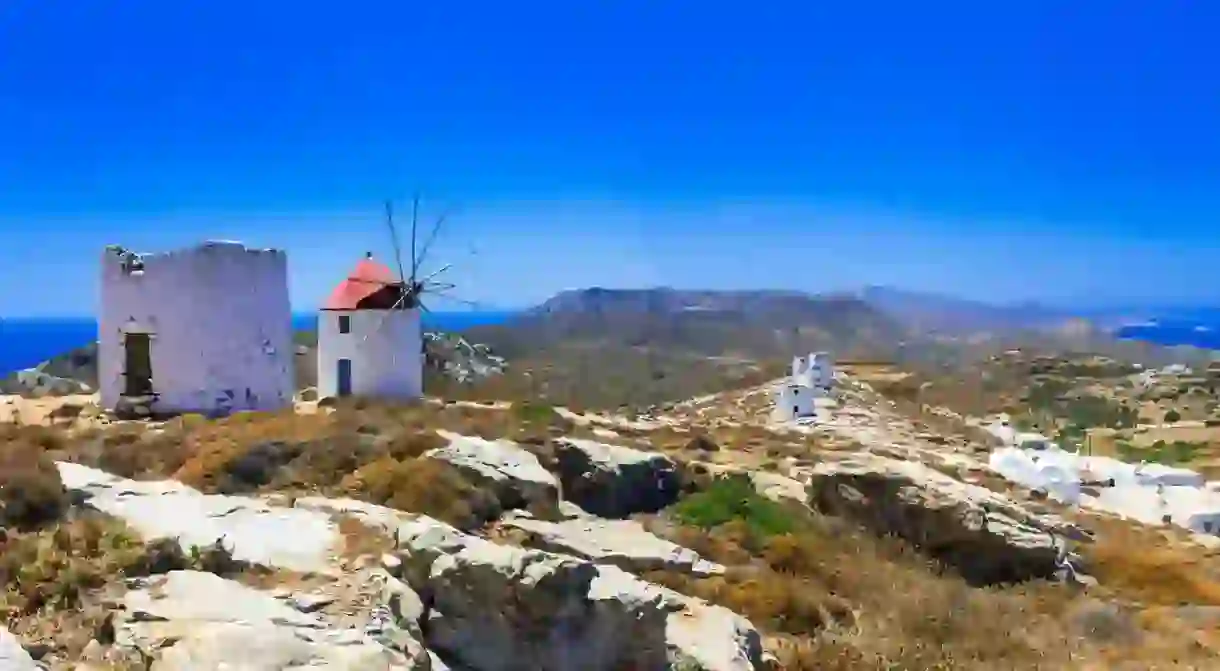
1049, 150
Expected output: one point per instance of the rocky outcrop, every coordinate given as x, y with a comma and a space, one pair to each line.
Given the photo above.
513, 473
778, 488
38, 383
13, 657
503, 608
622, 543
614, 481
441, 593
460, 359
193, 620
250, 528
378, 518
987, 537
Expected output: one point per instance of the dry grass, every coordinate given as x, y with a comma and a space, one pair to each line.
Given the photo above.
426, 486
54, 580
1153, 566
359, 540
31, 492
366, 450
828, 595
831, 596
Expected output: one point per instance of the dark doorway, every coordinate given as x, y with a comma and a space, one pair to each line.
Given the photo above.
137, 370
796, 410
345, 377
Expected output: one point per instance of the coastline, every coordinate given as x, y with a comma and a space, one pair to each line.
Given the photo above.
28, 341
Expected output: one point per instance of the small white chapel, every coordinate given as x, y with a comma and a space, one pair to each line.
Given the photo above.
812, 378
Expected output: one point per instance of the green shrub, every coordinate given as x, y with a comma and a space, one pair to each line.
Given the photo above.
1160, 452
533, 411
733, 498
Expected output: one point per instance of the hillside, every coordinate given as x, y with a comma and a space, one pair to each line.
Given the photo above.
702, 537
612, 347
935, 312
608, 348
750, 324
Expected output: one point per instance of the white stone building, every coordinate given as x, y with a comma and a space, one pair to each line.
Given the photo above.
206, 329
814, 371
812, 378
793, 401
369, 338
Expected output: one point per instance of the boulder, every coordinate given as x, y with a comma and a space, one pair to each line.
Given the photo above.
503, 608
194, 620
251, 529
987, 537
514, 473
614, 481
36, 382
622, 543
13, 656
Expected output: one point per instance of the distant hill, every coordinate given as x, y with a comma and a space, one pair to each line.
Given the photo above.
611, 347
746, 324
934, 312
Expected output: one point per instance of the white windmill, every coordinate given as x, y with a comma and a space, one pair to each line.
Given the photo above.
370, 341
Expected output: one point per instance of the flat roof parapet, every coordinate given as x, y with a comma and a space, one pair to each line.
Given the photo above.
224, 245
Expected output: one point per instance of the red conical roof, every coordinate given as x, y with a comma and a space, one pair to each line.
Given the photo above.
366, 279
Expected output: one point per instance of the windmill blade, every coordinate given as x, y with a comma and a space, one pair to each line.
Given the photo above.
389, 219
438, 271
423, 252
455, 299
381, 322
414, 224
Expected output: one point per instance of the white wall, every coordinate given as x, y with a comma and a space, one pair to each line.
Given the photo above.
816, 370
221, 325
792, 401
384, 346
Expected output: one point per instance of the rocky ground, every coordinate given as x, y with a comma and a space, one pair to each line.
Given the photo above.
518, 536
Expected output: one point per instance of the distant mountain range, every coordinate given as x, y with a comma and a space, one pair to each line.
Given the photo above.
710, 323
934, 312
909, 326
939, 312
599, 329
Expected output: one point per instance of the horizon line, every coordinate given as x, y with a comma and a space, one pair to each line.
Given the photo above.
295, 314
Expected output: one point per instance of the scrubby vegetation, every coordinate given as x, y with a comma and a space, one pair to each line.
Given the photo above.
731, 499
831, 596
358, 448
54, 579
1172, 453
31, 492
827, 594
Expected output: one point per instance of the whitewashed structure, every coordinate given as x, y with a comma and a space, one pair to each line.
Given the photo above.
812, 378
793, 401
369, 337
814, 371
206, 329
1150, 493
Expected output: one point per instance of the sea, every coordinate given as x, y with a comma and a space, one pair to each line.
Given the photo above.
26, 342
